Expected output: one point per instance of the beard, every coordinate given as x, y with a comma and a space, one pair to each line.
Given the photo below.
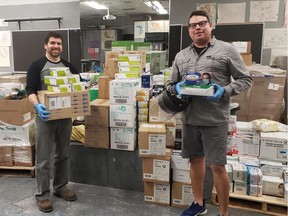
54, 52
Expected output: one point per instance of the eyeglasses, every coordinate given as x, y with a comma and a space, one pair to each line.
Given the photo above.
200, 24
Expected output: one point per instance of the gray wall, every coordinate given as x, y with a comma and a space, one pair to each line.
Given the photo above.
70, 11
179, 14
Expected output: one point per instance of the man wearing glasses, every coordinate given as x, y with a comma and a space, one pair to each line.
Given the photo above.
205, 121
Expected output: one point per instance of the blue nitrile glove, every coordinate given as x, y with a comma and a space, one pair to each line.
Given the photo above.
219, 92
178, 88
41, 110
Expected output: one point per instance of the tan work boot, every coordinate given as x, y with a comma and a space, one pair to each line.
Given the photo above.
45, 205
67, 195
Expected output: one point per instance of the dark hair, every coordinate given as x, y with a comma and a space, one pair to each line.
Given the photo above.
52, 34
199, 13
208, 74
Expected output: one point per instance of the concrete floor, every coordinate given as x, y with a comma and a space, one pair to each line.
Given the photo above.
17, 199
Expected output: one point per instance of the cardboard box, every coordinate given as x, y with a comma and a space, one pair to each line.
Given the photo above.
177, 162
240, 173
6, 155
156, 117
99, 113
182, 176
14, 78
274, 146
66, 104
243, 47
97, 137
123, 91
157, 169
24, 155
157, 193
271, 168
123, 138
17, 135
16, 112
182, 194
103, 87
247, 59
152, 139
122, 115
273, 186
240, 187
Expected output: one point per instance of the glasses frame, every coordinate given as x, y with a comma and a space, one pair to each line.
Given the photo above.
201, 24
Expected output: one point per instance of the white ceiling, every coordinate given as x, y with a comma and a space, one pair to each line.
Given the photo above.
121, 8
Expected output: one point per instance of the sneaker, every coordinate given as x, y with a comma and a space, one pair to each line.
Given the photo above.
45, 205
67, 195
195, 209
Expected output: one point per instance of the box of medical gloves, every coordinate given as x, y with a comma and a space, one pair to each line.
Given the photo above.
65, 104
198, 84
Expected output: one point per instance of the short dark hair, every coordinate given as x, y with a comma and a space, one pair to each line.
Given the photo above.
52, 34
199, 13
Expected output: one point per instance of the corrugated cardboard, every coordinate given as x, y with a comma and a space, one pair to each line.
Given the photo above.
16, 112
66, 104
123, 138
103, 87
157, 169
247, 58
152, 139
182, 195
97, 137
157, 193
24, 155
99, 113
17, 78
6, 155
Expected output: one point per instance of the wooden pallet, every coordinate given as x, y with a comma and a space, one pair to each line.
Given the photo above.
265, 204
17, 171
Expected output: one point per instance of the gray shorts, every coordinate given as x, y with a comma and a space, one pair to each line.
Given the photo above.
208, 141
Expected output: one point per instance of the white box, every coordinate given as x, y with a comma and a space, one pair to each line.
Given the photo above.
271, 168
254, 190
273, 186
240, 173
50, 80
11, 135
240, 188
274, 146
229, 170
249, 160
59, 71
254, 176
123, 138
122, 115
123, 91
198, 91
177, 162
244, 145
181, 176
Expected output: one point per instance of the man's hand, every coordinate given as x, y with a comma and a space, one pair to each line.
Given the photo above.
178, 88
41, 110
219, 92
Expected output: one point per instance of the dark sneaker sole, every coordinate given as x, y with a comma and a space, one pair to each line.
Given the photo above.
202, 213
69, 199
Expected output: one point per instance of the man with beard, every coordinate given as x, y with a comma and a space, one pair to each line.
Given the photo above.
50, 135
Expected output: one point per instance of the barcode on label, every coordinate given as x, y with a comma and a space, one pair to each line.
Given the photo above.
122, 146
121, 101
121, 124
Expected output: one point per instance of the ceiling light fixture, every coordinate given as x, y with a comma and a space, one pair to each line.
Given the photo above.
94, 5
156, 6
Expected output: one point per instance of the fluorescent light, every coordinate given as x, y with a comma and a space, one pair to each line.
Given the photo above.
94, 5
157, 6
161, 9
